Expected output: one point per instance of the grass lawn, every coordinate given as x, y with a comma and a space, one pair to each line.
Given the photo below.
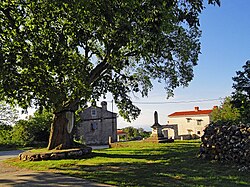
148, 164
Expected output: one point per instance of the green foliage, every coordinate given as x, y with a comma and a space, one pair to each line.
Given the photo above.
5, 127
241, 95
40, 125
29, 132
8, 116
58, 54
143, 133
134, 133
5, 135
21, 134
226, 112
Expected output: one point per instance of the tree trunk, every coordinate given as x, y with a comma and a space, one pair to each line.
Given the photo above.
60, 138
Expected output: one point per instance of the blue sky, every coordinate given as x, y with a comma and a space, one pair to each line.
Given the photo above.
225, 46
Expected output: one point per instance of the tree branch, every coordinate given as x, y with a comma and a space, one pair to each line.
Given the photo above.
8, 16
132, 53
99, 69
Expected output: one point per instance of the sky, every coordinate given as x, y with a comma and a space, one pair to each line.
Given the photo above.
225, 48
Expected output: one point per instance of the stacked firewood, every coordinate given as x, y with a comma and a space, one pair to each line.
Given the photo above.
226, 143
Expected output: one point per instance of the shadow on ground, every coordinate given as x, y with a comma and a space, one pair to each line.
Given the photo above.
44, 179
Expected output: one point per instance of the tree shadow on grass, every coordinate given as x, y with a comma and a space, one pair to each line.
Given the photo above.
151, 174
173, 168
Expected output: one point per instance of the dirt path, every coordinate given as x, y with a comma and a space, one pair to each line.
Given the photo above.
13, 176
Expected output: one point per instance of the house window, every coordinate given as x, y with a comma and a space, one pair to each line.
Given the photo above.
199, 121
188, 120
190, 131
94, 126
198, 132
93, 112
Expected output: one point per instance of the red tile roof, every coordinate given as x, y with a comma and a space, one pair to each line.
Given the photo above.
121, 132
191, 113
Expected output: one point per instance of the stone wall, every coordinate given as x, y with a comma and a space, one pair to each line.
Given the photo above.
96, 126
56, 154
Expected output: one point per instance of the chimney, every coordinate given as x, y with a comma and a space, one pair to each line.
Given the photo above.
104, 105
215, 107
196, 109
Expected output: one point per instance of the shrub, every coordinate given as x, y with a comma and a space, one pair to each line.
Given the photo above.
5, 135
22, 133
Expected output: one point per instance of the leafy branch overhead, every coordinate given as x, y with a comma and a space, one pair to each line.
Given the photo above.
58, 54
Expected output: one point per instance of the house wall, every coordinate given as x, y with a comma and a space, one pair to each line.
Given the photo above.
190, 124
96, 127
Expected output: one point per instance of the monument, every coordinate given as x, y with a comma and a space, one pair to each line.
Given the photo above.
157, 135
156, 127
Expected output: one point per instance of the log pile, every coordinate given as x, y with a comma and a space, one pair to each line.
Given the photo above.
226, 143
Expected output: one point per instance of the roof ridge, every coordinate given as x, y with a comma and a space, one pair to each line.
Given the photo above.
191, 112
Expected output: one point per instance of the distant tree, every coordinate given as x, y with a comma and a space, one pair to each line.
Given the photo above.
5, 135
145, 134
133, 133
241, 95
8, 114
226, 112
60, 54
33, 130
40, 125
22, 133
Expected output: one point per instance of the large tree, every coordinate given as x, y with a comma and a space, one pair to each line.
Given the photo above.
241, 94
60, 54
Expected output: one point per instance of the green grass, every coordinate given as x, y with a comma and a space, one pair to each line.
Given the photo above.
148, 164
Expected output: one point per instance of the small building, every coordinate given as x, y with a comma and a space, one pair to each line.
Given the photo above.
97, 124
121, 135
186, 124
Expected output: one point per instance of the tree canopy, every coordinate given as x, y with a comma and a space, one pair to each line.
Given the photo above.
58, 53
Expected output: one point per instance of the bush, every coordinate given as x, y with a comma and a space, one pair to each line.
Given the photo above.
40, 124
6, 135
22, 133
34, 131
136, 134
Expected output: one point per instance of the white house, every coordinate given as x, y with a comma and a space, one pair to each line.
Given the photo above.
187, 123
